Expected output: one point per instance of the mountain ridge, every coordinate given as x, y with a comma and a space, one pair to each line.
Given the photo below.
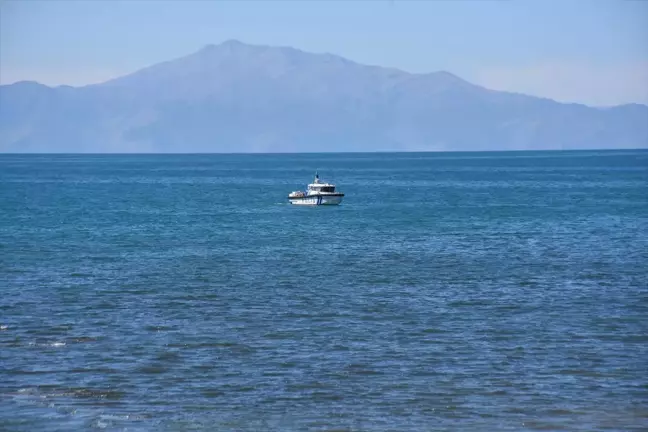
249, 98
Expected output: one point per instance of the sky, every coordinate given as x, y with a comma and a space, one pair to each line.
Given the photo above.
586, 51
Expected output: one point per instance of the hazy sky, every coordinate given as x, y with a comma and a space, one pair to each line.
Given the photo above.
589, 51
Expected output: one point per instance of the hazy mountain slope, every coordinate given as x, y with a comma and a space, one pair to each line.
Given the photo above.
238, 97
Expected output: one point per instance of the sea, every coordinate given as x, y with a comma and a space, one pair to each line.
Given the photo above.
495, 291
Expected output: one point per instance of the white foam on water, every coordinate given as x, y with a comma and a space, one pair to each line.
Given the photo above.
48, 344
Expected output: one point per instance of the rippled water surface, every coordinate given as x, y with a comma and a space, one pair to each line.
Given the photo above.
467, 291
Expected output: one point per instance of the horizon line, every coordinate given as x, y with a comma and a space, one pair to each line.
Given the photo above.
318, 153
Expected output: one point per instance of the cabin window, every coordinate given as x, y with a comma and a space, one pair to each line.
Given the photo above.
328, 189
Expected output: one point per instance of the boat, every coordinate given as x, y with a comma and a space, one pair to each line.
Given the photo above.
318, 193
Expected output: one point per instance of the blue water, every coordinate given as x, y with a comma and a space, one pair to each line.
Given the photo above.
449, 291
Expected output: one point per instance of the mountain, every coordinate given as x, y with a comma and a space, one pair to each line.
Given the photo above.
236, 97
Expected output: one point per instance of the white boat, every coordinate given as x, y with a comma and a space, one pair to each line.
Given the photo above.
318, 193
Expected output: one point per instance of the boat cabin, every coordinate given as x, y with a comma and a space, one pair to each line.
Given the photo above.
318, 187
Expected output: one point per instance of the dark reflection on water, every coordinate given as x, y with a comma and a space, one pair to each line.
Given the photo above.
449, 292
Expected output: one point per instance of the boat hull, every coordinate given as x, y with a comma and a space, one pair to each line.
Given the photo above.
317, 200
